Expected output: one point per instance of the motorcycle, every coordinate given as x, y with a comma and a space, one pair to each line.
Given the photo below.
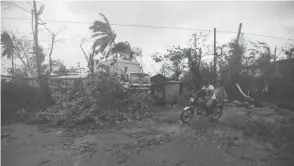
194, 108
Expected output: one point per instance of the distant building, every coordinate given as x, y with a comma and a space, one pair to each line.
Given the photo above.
129, 73
120, 66
159, 78
62, 81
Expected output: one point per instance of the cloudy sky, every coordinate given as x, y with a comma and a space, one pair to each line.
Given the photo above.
265, 18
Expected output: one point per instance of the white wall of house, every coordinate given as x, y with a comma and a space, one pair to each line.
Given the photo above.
120, 65
131, 67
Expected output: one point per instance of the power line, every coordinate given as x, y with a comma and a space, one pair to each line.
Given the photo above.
252, 34
155, 27
117, 24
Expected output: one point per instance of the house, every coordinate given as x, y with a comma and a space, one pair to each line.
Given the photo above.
166, 90
120, 66
159, 78
128, 72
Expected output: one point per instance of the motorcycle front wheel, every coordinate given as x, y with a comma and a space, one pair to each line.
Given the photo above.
217, 113
187, 115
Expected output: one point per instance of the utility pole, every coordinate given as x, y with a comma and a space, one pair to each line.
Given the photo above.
239, 32
44, 89
275, 58
193, 63
37, 51
214, 50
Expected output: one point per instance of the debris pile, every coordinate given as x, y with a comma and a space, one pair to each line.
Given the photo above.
99, 99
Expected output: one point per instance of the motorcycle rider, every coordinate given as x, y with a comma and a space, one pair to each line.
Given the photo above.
210, 98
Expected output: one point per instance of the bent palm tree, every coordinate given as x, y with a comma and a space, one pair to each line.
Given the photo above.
103, 34
8, 47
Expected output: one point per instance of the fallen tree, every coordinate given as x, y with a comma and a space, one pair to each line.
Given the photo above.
101, 98
249, 100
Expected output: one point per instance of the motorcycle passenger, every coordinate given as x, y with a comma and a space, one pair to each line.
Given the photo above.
209, 99
220, 92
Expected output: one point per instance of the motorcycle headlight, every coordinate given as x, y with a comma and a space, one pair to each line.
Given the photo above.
192, 99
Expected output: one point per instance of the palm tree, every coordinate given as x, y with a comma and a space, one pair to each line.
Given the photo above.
103, 34
8, 47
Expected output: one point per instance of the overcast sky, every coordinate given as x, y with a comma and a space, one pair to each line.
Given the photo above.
266, 18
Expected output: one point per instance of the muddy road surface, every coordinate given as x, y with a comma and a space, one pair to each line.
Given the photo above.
164, 141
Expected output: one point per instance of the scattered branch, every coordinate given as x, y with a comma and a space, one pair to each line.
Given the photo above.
87, 58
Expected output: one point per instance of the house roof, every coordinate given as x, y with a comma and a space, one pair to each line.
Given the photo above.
158, 78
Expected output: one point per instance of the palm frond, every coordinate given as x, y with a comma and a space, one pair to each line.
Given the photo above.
7, 45
6, 53
105, 19
103, 47
100, 41
99, 26
103, 34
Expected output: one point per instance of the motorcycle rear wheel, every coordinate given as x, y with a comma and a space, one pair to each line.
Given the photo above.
187, 115
216, 113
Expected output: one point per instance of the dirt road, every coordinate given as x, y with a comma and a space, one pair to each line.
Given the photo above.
161, 142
